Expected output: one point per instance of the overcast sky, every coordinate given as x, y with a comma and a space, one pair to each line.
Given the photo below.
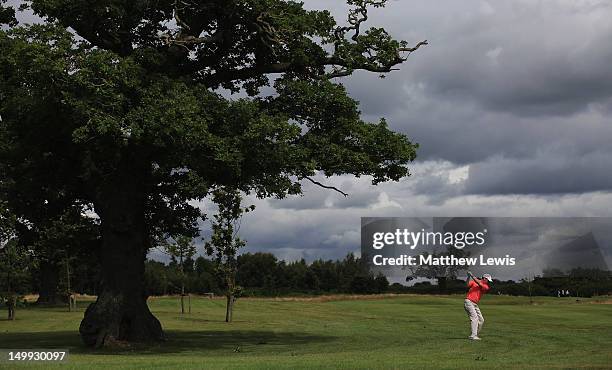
511, 103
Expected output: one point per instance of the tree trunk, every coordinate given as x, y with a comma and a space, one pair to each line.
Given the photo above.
230, 280
182, 285
229, 308
121, 313
68, 288
11, 303
183, 300
49, 279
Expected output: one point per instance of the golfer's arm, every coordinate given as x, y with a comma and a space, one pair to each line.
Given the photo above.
477, 281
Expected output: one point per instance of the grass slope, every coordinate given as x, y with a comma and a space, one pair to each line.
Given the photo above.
399, 332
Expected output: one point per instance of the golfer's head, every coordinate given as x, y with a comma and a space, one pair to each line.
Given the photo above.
487, 277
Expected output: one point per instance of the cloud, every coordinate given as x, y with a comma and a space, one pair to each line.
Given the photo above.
546, 173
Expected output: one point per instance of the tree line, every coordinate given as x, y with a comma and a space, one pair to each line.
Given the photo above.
257, 274
579, 282
262, 274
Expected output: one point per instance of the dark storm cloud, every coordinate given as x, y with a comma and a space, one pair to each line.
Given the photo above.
526, 71
544, 174
521, 57
465, 135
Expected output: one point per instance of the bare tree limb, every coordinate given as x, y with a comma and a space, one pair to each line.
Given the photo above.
356, 17
326, 186
414, 48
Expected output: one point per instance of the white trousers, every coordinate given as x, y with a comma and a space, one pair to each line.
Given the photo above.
476, 319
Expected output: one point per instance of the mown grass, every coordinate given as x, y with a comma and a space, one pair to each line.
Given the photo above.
390, 332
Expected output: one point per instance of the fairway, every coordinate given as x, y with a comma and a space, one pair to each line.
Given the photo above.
388, 332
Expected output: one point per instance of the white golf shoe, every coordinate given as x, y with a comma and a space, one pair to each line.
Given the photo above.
473, 338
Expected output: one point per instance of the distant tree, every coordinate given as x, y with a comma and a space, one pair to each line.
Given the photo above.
382, 284
587, 282
182, 249
224, 242
188, 265
311, 281
327, 274
16, 264
207, 278
528, 281
297, 273
398, 288
156, 279
257, 270
356, 277
593, 274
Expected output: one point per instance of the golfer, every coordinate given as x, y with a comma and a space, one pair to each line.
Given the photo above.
477, 287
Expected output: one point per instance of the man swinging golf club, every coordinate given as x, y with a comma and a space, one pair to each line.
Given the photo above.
477, 287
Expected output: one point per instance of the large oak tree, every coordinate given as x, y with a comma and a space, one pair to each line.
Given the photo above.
118, 103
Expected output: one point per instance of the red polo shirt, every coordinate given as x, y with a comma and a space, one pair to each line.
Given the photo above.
475, 292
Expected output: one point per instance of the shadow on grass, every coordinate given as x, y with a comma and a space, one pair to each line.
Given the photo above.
178, 341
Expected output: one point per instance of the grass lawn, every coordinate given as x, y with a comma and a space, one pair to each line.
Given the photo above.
391, 332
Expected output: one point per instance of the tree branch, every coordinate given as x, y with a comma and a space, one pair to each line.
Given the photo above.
356, 17
414, 48
103, 40
220, 77
245, 73
326, 186
189, 34
192, 40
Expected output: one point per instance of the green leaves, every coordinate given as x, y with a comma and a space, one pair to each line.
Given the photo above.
336, 140
16, 264
181, 247
7, 223
7, 15
224, 242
